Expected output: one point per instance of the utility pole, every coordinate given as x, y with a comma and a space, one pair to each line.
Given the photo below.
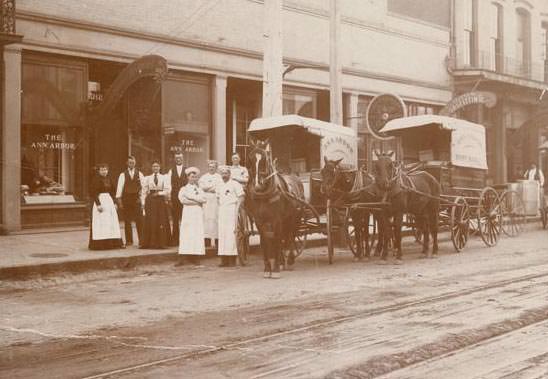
335, 68
272, 59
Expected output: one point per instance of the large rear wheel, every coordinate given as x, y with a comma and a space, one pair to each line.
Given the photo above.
459, 223
489, 216
513, 213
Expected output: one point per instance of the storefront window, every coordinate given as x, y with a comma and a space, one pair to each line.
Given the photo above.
51, 136
186, 120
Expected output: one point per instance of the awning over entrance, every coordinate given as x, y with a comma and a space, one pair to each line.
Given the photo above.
317, 127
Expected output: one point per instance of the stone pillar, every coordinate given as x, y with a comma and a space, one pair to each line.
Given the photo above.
272, 59
11, 139
335, 66
352, 111
501, 173
219, 118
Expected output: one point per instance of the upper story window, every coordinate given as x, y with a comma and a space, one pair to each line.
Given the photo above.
469, 45
496, 54
545, 49
523, 41
436, 12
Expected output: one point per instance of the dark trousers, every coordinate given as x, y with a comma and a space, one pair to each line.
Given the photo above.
176, 213
131, 213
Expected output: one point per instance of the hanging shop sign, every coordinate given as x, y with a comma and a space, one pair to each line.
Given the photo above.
382, 109
489, 99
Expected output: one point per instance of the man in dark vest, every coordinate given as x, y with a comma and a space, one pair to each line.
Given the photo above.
178, 179
128, 194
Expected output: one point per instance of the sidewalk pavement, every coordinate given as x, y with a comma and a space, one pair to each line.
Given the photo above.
32, 254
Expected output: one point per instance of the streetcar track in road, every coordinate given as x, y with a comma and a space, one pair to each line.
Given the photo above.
318, 324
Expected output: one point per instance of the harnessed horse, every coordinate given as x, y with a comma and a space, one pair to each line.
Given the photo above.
417, 193
350, 187
273, 201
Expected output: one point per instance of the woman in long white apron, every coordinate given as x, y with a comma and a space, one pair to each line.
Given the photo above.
191, 235
208, 183
230, 194
105, 228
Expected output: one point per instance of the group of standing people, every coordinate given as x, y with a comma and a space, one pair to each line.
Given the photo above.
203, 209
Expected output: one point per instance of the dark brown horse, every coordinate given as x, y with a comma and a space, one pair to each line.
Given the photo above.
347, 187
272, 199
417, 193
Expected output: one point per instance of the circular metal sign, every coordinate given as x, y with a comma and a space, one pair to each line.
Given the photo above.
382, 109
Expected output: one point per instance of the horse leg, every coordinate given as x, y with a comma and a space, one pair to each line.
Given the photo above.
265, 249
378, 219
434, 219
425, 235
276, 250
398, 220
365, 228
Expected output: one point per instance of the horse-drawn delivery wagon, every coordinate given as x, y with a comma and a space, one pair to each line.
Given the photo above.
453, 151
286, 153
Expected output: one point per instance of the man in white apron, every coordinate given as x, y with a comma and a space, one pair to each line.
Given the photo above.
230, 195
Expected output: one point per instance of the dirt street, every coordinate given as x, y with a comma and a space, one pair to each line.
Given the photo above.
482, 313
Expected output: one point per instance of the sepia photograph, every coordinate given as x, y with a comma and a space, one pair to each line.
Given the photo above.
338, 189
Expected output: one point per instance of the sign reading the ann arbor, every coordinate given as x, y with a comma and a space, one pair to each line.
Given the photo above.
337, 147
53, 142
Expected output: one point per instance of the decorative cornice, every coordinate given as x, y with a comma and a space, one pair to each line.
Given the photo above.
195, 44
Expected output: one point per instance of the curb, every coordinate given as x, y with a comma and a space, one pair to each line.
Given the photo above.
37, 271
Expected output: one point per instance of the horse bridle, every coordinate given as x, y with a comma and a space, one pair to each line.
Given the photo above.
270, 192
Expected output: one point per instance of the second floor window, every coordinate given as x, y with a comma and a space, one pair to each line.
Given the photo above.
495, 57
468, 48
523, 47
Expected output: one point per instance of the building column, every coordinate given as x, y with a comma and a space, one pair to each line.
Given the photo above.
351, 105
219, 118
501, 160
11, 139
272, 59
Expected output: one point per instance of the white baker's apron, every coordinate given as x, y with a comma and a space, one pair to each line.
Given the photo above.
227, 226
210, 215
191, 234
105, 225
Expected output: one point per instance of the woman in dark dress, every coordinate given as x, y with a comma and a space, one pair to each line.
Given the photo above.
104, 232
156, 190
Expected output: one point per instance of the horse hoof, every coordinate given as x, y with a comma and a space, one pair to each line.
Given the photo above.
276, 275
398, 262
357, 259
382, 262
267, 275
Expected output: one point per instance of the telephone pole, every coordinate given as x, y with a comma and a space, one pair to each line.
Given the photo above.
335, 67
272, 59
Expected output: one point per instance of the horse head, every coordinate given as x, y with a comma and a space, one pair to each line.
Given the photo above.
329, 174
260, 165
384, 170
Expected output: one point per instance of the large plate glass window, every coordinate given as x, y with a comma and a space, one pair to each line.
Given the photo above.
186, 119
52, 138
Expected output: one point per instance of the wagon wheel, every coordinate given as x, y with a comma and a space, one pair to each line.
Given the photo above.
310, 219
544, 217
489, 216
350, 233
513, 213
243, 231
459, 223
300, 243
